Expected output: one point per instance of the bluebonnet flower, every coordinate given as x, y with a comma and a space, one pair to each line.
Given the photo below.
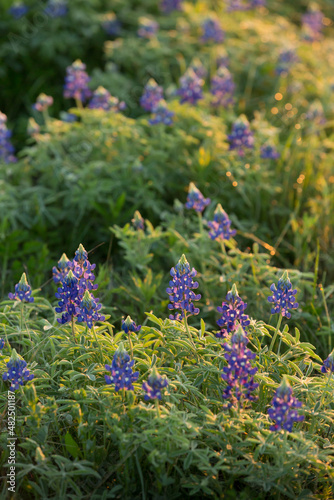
73, 299
161, 114
111, 25
254, 4
152, 95
59, 273
168, 6
128, 325
18, 10
191, 87
76, 82
22, 291
232, 314
122, 374
328, 363
6, 147
241, 136
222, 88
102, 99
284, 411
221, 225
137, 221
269, 152
198, 69
2, 343
285, 60
283, 297
242, 5
147, 28
154, 385
88, 310
236, 5
195, 199
56, 8
43, 102
312, 23
181, 288
68, 295
33, 128
82, 269
212, 31
239, 372
17, 373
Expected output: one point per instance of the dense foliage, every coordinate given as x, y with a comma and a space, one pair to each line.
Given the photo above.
146, 132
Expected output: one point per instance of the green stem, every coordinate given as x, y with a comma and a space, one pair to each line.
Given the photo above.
284, 447
222, 246
224, 252
187, 329
328, 318
124, 399
200, 223
21, 316
100, 349
46, 118
78, 103
273, 340
324, 391
130, 342
316, 269
158, 408
73, 328
202, 256
21, 320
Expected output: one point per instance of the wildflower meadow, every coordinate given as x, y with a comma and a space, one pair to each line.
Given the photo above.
166, 249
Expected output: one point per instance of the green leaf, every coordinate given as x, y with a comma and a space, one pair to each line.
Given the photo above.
202, 328
297, 332
71, 446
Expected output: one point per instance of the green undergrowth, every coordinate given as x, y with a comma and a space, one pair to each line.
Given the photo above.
77, 438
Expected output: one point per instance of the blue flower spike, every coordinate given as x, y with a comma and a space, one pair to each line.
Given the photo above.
122, 374
138, 221
6, 148
102, 99
283, 297
220, 226
128, 325
168, 6
239, 372
152, 95
195, 199
59, 273
222, 88
232, 314
22, 291
154, 385
191, 89
76, 83
284, 408
212, 31
88, 311
241, 137
328, 363
17, 373
181, 288
162, 114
